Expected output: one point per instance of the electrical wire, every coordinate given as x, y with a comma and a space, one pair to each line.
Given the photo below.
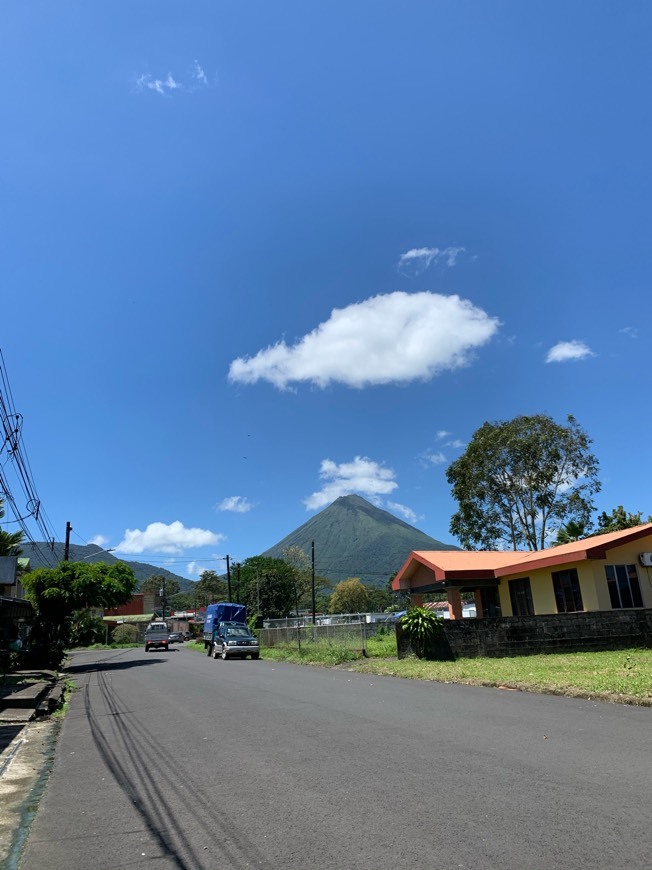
11, 424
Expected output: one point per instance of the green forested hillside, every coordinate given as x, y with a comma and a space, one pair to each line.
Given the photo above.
44, 555
353, 538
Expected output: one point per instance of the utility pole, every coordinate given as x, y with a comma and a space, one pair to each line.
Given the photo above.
237, 580
66, 548
314, 616
228, 576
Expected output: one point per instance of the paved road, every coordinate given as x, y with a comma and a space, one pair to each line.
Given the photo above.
179, 761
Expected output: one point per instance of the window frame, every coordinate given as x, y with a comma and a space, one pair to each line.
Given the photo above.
520, 591
567, 589
620, 582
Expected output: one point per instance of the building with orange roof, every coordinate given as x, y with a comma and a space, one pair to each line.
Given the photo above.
605, 572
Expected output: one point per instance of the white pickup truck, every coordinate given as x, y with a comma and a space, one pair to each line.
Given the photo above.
157, 635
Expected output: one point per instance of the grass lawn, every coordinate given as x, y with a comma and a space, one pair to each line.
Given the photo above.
622, 676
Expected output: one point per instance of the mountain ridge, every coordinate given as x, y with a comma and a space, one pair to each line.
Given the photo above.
354, 538
44, 555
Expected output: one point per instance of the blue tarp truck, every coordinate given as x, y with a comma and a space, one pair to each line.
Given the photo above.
222, 611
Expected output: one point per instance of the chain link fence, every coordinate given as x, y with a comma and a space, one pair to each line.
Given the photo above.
353, 634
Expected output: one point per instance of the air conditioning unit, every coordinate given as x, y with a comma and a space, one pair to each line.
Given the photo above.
645, 559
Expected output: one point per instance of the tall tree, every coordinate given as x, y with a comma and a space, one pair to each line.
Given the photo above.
298, 560
57, 593
349, 596
156, 582
182, 601
618, 520
379, 599
520, 480
211, 587
267, 586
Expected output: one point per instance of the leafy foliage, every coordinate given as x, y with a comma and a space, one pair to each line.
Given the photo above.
85, 629
571, 532
9, 541
298, 560
125, 633
42, 554
379, 599
156, 582
182, 601
57, 593
210, 588
618, 520
520, 479
421, 626
349, 596
267, 586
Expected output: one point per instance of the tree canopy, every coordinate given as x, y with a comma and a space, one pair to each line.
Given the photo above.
267, 586
156, 582
349, 596
520, 480
210, 588
57, 593
618, 520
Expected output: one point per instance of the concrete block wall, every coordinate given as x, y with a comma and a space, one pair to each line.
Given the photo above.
528, 635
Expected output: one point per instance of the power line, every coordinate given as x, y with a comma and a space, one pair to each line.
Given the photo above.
11, 425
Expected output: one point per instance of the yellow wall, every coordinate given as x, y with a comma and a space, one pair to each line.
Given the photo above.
627, 555
592, 577
503, 594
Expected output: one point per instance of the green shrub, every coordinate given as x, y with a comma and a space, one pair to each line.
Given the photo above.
85, 629
421, 626
125, 633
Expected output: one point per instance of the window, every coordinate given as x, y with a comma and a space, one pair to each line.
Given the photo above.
490, 602
624, 588
521, 597
567, 591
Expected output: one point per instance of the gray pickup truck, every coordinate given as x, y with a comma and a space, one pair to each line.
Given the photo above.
157, 636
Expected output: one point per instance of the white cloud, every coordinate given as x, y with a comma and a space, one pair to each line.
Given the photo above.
146, 82
429, 457
417, 260
194, 569
99, 540
564, 351
404, 511
388, 339
162, 538
236, 503
362, 476
631, 331
199, 74
456, 443
167, 84
442, 434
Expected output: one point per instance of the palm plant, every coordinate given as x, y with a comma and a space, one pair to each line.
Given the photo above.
571, 532
421, 626
9, 541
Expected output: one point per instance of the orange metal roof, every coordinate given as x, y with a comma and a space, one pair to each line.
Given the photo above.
486, 564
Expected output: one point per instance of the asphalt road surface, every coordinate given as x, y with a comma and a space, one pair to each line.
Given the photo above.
175, 760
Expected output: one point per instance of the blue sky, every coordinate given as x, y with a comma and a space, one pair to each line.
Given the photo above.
258, 255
